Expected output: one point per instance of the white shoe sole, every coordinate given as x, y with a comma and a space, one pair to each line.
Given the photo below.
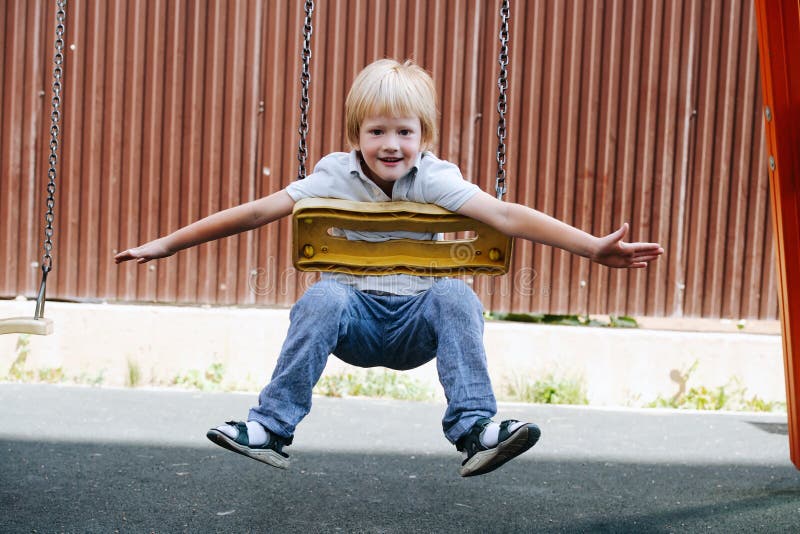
486, 461
267, 456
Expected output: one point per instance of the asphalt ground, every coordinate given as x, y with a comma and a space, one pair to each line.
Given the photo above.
79, 459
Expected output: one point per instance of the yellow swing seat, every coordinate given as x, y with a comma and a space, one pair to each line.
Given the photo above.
26, 325
484, 251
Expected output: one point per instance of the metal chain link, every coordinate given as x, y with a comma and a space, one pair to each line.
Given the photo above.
305, 81
502, 102
52, 160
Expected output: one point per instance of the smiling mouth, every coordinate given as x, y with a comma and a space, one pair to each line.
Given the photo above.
391, 160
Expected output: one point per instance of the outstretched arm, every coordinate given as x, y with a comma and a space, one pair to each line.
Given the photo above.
521, 221
221, 224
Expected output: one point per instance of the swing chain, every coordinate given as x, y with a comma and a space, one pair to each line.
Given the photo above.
305, 80
52, 160
502, 102
55, 119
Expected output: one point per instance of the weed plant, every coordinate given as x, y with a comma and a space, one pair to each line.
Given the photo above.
19, 372
730, 396
614, 321
380, 384
134, 377
209, 380
548, 390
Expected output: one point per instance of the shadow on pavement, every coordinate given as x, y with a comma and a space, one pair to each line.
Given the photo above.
772, 428
79, 487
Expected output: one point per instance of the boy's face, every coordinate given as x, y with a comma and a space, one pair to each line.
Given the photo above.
389, 146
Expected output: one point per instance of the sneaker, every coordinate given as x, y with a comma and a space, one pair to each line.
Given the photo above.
514, 439
270, 452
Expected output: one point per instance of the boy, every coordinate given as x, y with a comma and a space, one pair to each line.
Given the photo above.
397, 321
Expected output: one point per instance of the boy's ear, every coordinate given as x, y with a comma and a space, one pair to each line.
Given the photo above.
426, 146
353, 144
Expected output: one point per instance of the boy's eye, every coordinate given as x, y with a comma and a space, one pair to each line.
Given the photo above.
376, 131
405, 132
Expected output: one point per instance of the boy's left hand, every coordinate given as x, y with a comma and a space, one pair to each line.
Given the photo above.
612, 251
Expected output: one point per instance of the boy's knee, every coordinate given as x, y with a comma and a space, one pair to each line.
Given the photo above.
325, 298
452, 295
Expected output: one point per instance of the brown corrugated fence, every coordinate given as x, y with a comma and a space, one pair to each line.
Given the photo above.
645, 112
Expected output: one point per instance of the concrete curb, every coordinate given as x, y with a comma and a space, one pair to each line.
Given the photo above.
619, 367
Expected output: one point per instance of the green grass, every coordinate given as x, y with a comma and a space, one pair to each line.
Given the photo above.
731, 396
208, 380
372, 383
550, 389
614, 321
134, 377
19, 371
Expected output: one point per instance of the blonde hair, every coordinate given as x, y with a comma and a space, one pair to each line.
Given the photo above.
388, 87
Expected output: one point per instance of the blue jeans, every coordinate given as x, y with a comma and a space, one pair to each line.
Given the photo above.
396, 331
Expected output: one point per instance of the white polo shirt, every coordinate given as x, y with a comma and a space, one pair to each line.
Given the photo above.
431, 181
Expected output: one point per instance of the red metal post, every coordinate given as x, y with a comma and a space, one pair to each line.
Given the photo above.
779, 49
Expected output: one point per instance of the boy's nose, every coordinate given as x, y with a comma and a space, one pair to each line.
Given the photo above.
390, 143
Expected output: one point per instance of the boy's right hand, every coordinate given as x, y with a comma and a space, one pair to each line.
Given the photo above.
149, 251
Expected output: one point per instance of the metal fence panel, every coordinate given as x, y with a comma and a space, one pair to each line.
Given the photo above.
619, 111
